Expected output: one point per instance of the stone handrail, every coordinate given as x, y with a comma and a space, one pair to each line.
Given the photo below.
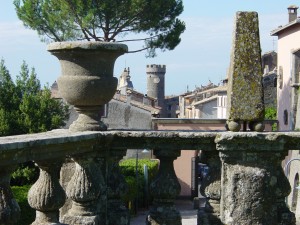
251, 190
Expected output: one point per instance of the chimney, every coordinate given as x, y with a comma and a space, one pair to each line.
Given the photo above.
292, 12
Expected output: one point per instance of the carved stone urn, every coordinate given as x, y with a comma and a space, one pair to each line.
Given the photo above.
86, 79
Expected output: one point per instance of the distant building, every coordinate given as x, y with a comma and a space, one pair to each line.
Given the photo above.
129, 109
171, 104
205, 102
124, 82
269, 64
54, 90
288, 70
288, 98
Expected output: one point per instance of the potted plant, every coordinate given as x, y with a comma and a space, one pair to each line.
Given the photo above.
88, 37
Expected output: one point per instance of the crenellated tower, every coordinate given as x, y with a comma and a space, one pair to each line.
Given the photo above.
156, 84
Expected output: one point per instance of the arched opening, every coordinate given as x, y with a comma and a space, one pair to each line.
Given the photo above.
295, 193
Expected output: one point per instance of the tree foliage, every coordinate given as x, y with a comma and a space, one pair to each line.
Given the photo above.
25, 107
105, 20
270, 113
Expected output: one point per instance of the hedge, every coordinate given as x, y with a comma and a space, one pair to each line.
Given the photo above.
128, 169
27, 213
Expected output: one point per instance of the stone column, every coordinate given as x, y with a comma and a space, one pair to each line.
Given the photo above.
252, 187
211, 189
46, 196
165, 188
9, 208
84, 190
117, 213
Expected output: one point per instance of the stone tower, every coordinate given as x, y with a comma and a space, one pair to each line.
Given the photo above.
125, 82
156, 84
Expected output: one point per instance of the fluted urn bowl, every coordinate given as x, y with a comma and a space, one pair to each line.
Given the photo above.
86, 79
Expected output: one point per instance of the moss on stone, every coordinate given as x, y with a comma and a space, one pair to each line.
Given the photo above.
245, 87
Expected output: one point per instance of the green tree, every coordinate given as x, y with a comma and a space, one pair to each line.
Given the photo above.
105, 20
9, 103
270, 113
25, 107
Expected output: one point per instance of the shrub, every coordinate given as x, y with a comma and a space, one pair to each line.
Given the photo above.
27, 213
271, 114
26, 174
128, 169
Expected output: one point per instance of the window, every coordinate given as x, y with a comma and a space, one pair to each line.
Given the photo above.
285, 117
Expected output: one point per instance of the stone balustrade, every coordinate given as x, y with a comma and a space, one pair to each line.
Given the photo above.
245, 184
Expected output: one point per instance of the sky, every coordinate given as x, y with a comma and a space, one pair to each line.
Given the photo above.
202, 56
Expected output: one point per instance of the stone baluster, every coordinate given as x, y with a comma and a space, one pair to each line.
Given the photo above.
46, 196
9, 208
165, 188
117, 213
84, 190
251, 181
282, 190
211, 189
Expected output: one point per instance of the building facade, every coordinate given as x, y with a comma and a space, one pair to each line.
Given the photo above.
205, 102
288, 105
288, 70
269, 64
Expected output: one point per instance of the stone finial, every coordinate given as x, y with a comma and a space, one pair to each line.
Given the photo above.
245, 91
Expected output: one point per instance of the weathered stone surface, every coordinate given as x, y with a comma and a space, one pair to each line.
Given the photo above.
84, 189
9, 208
86, 79
211, 189
46, 196
245, 92
60, 143
165, 188
66, 172
246, 155
253, 183
118, 214
245, 195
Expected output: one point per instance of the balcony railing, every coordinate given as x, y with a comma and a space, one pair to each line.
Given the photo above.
245, 185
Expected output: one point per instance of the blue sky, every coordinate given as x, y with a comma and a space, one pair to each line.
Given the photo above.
202, 55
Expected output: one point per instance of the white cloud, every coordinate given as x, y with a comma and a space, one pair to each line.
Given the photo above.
14, 31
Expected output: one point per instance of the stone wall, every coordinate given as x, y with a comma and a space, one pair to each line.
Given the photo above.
246, 185
122, 115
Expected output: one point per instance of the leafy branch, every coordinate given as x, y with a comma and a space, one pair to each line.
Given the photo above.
105, 20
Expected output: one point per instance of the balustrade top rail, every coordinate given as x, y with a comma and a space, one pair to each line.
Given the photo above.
60, 143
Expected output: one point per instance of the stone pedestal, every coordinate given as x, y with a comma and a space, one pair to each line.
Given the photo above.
165, 188
252, 182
